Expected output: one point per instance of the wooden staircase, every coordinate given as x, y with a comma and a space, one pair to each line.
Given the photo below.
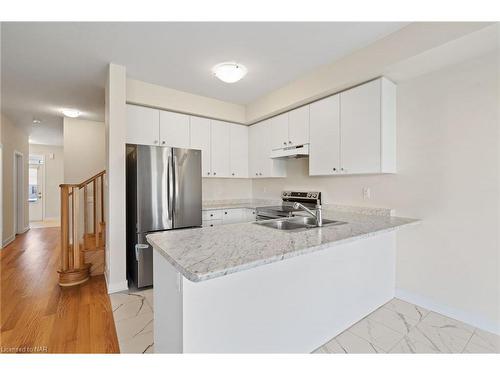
82, 230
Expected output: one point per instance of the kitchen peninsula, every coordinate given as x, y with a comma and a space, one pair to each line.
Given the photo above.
248, 288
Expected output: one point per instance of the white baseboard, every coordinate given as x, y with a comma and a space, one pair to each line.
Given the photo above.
51, 218
464, 316
8, 240
116, 287
24, 230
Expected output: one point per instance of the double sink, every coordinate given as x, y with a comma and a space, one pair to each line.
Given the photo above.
297, 223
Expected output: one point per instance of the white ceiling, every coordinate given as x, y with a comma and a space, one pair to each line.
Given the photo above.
48, 66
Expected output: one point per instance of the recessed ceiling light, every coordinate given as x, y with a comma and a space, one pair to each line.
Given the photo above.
69, 112
230, 71
36, 121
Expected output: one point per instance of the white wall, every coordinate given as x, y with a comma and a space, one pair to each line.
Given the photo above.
13, 139
365, 64
143, 93
54, 176
115, 136
84, 149
447, 168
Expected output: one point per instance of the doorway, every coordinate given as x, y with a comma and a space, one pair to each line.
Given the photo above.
36, 188
19, 226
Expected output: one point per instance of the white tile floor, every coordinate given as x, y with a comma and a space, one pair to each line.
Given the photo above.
133, 314
396, 327
401, 327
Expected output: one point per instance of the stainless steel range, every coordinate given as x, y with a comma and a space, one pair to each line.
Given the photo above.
309, 199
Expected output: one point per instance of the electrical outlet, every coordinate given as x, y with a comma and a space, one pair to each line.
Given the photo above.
367, 194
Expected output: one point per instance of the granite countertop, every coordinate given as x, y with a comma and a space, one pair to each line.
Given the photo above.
206, 253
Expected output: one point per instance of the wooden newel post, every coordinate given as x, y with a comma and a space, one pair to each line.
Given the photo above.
73, 271
64, 228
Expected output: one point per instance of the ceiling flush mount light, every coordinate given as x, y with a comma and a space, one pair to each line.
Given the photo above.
37, 121
229, 72
69, 112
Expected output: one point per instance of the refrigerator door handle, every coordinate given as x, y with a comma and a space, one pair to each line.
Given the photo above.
170, 188
176, 184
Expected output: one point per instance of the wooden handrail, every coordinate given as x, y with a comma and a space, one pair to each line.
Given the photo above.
73, 269
86, 182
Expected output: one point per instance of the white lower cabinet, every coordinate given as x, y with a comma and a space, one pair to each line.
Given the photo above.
234, 215
211, 215
250, 214
212, 218
211, 223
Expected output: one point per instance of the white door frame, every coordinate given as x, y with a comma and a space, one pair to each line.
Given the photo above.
19, 226
1, 196
42, 157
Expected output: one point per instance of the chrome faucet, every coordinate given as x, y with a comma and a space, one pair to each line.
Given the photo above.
318, 215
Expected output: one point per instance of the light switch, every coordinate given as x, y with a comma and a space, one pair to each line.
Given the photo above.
367, 194
51, 156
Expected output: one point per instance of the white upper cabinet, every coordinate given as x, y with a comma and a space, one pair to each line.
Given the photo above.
298, 126
238, 152
220, 149
142, 125
289, 129
324, 148
174, 129
368, 128
260, 146
353, 132
277, 129
200, 140
357, 136
253, 159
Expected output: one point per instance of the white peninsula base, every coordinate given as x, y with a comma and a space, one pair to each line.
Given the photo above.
290, 306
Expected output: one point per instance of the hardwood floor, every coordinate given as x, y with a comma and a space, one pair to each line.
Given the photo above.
38, 315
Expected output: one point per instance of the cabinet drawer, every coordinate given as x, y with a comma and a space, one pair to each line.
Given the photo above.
250, 214
234, 215
211, 215
211, 223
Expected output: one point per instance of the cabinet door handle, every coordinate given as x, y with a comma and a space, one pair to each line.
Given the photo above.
155, 141
256, 174
162, 142
334, 169
208, 173
290, 142
232, 173
215, 173
260, 174
211, 215
284, 143
225, 212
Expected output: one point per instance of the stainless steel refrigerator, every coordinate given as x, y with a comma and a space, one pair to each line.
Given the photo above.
163, 192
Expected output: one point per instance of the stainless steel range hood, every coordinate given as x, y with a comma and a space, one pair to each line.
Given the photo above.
292, 152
